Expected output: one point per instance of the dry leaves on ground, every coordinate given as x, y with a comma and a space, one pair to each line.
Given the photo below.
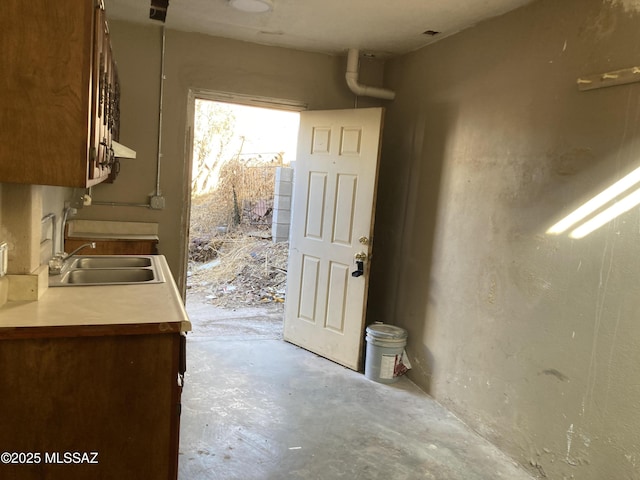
245, 271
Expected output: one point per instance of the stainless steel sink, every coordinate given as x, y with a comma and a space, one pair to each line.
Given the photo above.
108, 270
110, 275
111, 262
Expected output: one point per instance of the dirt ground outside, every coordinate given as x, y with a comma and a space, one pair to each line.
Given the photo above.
238, 294
234, 269
244, 270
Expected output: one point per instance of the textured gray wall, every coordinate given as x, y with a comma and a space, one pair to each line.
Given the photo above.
532, 339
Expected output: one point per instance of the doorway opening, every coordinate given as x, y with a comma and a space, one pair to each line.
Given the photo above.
239, 155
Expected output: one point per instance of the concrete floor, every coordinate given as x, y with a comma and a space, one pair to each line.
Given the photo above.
256, 407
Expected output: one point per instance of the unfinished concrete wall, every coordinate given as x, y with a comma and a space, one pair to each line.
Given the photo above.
21, 214
532, 339
53, 201
22, 208
203, 62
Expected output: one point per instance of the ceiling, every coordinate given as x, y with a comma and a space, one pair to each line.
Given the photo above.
383, 28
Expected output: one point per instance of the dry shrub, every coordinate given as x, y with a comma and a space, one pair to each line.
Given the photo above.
244, 196
242, 269
247, 271
203, 249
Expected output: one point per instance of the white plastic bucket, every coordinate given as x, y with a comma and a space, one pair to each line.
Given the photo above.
385, 347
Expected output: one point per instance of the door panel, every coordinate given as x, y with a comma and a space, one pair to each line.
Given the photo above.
308, 288
345, 207
315, 205
334, 198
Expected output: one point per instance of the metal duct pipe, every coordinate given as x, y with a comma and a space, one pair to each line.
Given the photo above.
363, 90
160, 101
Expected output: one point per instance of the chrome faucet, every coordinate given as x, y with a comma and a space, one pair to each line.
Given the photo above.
84, 245
57, 263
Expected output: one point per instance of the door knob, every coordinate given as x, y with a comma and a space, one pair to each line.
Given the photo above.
360, 257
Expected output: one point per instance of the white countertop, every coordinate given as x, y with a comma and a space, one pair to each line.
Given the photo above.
101, 305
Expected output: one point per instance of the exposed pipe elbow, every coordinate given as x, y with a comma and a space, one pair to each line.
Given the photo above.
363, 90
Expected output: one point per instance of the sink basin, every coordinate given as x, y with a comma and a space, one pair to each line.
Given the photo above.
108, 270
112, 262
110, 275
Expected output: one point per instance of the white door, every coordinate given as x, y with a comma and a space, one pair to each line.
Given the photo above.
332, 223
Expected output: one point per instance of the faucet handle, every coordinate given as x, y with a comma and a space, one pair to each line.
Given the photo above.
55, 264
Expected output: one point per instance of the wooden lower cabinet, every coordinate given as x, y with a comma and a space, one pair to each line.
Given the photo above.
98, 407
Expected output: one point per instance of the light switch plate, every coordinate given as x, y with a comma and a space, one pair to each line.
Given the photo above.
4, 258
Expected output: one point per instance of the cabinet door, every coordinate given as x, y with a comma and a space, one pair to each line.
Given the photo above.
100, 144
45, 91
115, 396
115, 117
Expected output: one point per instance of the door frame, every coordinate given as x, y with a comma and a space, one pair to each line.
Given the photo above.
214, 96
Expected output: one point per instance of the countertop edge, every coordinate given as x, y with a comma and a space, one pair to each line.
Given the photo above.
104, 307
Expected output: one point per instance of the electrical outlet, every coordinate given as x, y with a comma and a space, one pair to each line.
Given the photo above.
156, 202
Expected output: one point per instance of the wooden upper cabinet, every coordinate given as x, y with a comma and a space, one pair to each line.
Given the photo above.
57, 93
